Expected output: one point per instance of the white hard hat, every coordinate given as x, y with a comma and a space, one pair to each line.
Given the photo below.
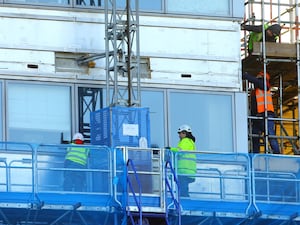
185, 127
78, 136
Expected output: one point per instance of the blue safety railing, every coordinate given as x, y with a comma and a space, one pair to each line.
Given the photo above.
220, 188
228, 188
33, 177
18, 173
172, 188
131, 190
276, 182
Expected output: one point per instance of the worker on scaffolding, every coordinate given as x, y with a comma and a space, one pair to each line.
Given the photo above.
76, 159
258, 108
186, 162
271, 34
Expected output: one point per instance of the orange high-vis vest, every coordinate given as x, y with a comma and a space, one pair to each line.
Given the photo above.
260, 101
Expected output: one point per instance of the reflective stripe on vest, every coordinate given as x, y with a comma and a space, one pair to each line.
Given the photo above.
186, 161
78, 155
260, 101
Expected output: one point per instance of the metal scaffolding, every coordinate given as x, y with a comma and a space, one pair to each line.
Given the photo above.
281, 61
122, 53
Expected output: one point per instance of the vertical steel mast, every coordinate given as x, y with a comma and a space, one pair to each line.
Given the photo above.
122, 54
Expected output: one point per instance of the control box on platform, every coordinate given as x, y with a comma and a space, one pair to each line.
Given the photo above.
121, 126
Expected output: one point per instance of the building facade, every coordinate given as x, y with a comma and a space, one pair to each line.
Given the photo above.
190, 70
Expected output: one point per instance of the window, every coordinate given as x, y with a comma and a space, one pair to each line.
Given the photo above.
40, 2
203, 7
144, 5
155, 101
38, 113
209, 115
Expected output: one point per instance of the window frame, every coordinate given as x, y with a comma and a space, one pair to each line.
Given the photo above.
11, 82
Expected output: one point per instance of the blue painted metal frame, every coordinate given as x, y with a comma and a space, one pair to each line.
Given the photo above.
268, 188
276, 185
31, 192
173, 202
136, 197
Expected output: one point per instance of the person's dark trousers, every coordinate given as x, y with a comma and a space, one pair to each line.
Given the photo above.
74, 180
184, 185
259, 127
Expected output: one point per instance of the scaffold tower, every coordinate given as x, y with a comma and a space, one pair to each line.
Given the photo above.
281, 61
122, 53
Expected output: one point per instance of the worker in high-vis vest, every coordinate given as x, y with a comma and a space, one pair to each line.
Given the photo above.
76, 159
258, 107
271, 34
186, 162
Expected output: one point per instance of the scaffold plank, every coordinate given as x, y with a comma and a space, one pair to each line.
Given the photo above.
284, 50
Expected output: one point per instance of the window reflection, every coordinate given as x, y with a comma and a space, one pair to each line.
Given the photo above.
144, 5
155, 101
209, 115
203, 7
38, 113
41, 2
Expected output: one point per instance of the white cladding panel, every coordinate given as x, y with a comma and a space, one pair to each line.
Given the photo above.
22, 60
202, 72
209, 50
63, 36
191, 43
16, 55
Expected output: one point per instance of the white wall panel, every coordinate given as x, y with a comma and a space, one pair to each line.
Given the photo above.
190, 43
26, 56
61, 36
209, 50
200, 67
20, 60
206, 73
14, 67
